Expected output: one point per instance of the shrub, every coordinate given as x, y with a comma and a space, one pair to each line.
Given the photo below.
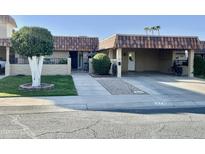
62, 61
101, 64
199, 66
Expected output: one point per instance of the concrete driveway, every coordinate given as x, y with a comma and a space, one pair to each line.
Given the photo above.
180, 91
161, 84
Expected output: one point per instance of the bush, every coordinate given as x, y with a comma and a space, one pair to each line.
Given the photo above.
62, 61
199, 66
101, 64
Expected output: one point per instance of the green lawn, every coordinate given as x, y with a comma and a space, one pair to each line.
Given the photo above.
64, 86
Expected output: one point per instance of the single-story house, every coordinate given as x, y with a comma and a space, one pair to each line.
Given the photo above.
131, 53
70, 52
138, 53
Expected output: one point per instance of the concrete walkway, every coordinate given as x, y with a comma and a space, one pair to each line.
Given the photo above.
87, 85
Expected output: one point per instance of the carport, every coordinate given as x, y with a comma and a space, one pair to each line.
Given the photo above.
139, 53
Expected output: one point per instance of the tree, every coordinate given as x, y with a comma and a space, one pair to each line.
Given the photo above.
199, 66
34, 43
147, 30
153, 29
158, 29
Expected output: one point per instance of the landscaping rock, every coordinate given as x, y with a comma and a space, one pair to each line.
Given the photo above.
119, 87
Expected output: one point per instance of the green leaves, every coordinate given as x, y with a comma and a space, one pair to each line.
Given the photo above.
152, 29
101, 64
32, 41
199, 66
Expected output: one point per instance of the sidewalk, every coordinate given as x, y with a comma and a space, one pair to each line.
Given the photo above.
86, 85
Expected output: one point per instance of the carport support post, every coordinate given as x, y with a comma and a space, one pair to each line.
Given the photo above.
7, 65
119, 61
190, 63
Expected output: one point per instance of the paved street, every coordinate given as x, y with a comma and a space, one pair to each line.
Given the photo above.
96, 124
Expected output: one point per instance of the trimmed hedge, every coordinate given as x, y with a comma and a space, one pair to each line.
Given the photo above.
101, 64
199, 66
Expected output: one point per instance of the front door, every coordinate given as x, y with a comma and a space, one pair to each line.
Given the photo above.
131, 61
74, 59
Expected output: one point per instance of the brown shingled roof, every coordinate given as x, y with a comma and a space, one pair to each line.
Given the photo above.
76, 43
151, 42
66, 43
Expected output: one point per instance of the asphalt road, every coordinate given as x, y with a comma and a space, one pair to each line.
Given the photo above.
103, 124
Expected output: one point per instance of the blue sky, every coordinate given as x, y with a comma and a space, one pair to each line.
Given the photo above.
104, 26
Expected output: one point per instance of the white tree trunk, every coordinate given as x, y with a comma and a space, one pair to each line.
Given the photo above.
36, 64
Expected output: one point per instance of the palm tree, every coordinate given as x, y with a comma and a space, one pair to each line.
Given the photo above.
147, 30
158, 29
152, 29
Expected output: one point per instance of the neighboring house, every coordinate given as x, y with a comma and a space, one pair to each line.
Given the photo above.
134, 53
7, 26
76, 48
140, 53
